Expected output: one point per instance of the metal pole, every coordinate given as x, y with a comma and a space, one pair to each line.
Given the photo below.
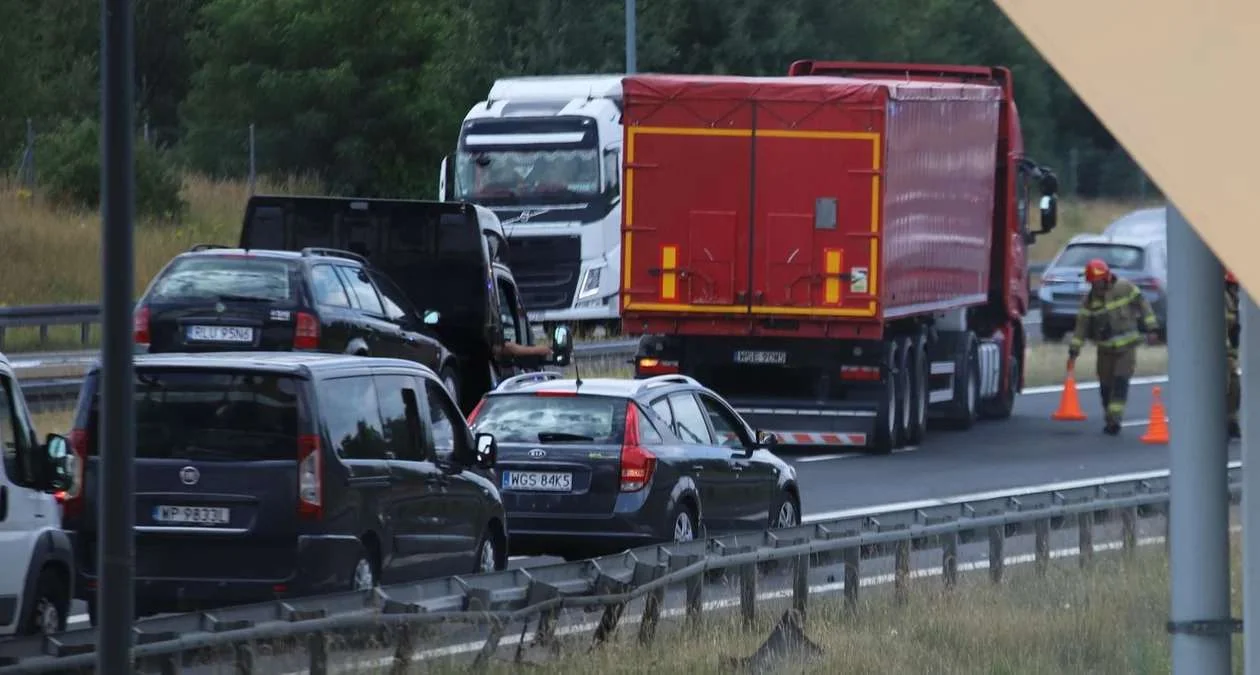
1199, 513
252, 167
631, 51
1251, 484
117, 426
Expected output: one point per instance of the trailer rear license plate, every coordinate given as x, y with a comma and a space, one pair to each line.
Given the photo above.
234, 334
755, 356
543, 481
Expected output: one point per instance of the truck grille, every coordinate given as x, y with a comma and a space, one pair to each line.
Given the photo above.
546, 270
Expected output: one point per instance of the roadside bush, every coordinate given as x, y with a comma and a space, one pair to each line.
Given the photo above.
70, 172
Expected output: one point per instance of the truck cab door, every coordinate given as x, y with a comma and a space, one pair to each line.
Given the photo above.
515, 324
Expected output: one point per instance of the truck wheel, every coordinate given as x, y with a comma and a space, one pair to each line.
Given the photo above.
905, 400
964, 409
1001, 407
886, 426
920, 384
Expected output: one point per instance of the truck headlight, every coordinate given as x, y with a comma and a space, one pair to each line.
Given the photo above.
590, 283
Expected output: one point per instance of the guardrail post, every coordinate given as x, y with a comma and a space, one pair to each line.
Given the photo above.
85, 333
43, 334
545, 635
1128, 529
901, 577
606, 585
1042, 545
402, 653
949, 559
695, 591
244, 659
652, 603
1085, 538
852, 566
317, 649
800, 584
997, 556
748, 594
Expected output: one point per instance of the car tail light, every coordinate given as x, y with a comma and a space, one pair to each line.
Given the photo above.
306, 334
72, 499
859, 373
1149, 283
555, 393
637, 464
310, 478
140, 325
651, 367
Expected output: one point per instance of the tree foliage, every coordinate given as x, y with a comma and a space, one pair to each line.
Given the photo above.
369, 94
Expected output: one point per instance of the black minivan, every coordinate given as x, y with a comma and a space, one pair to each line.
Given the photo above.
263, 475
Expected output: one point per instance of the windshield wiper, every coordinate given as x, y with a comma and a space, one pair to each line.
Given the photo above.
556, 436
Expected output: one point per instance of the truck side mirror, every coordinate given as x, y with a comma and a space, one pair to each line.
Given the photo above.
561, 345
56, 471
1049, 212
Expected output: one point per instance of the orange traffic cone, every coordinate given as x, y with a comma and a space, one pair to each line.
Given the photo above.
1069, 403
1157, 428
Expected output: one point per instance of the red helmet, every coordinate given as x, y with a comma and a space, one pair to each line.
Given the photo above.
1230, 278
1097, 270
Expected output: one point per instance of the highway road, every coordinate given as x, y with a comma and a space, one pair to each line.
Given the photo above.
1028, 449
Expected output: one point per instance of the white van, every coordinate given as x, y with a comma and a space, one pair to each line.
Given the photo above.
36, 560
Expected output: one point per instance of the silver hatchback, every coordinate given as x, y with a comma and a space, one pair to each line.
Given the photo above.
1141, 260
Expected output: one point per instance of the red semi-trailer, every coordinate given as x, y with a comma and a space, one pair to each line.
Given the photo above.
841, 253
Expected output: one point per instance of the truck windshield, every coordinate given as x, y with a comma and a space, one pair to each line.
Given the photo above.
527, 175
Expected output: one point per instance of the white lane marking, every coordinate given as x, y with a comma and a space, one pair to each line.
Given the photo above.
1057, 388
826, 458
995, 494
727, 603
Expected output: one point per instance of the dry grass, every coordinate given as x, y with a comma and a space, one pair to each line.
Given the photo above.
57, 422
1047, 363
1107, 620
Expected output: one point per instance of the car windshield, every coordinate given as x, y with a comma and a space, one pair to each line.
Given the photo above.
1116, 256
222, 277
528, 175
208, 415
530, 418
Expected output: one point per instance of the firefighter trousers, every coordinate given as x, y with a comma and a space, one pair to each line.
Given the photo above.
1115, 369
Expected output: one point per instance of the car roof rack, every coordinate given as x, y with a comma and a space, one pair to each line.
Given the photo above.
207, 247
335, 253
662, 380
518, 381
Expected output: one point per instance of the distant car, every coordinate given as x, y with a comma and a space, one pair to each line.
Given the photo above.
1149, 223
612, 464
1143, 261
215, 298
268, 475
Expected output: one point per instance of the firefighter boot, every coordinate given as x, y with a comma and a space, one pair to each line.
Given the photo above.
1112, 425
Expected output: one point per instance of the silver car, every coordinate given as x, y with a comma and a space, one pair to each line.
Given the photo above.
1149, 223
1141, 260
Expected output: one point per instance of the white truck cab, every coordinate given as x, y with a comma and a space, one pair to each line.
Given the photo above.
544, 153
36, 559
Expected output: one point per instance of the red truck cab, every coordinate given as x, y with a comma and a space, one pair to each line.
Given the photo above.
840, 252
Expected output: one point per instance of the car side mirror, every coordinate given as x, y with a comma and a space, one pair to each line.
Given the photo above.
431, 317
57, 471
561, 345
767, 440
1049, 212
487, 454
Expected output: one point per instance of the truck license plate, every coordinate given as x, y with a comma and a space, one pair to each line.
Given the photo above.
538, 480
760, 357
196, 515
235, 334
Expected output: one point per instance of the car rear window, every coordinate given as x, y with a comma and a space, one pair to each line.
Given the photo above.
1117, 256
223, 277
531, 418
211, 415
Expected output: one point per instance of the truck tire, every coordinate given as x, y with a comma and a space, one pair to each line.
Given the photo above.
965, 407
1003, 405
920, 385
885, 433
905, 390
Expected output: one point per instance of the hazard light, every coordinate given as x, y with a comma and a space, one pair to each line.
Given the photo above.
652, 367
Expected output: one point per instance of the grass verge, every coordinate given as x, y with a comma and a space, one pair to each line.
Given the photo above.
1108, 619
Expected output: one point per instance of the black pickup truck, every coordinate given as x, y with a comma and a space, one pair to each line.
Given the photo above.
450, 258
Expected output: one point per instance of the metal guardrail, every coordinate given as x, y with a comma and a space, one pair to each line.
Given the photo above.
498, 600
86, 315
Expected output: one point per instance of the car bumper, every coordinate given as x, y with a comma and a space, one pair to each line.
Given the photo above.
636, 523
323, 564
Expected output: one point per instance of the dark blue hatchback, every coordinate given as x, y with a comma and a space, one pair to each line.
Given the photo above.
605, 465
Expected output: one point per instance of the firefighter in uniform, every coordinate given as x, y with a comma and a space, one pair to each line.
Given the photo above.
1233, 334
1113, 314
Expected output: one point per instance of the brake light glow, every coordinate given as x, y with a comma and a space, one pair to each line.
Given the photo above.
140, 326
1149, 283
651, 367
72, 499
637, 464
306, 331
310, 478
860, 373
555, 393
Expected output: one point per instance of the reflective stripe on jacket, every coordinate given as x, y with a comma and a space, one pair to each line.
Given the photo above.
1114, 319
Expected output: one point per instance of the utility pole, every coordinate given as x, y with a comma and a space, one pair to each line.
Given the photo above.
631, 51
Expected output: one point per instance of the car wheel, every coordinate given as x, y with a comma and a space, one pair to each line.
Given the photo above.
364, 576
787, 514
49, 608
684, 525
487, 554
